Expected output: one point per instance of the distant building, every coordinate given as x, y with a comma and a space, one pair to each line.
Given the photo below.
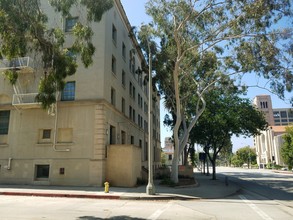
168, 150
269, 142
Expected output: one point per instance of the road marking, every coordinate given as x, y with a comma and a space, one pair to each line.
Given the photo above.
262, 214
157, 213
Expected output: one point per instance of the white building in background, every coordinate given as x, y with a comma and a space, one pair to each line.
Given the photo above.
269, 142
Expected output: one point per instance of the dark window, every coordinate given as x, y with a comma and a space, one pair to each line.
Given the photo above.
123, 137
123, 78
112, 135
123, 50
62, 171
46, 134
68, 93
113, 96
132, 140
283, 114
42, 171
123, 105
69, 23
276, 114
130, 112
113, 65
114, 34
170, 156
4, 122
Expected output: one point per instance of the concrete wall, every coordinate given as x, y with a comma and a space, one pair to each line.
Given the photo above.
123, 165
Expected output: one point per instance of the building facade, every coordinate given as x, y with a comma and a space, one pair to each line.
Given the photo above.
269, 142
101, 106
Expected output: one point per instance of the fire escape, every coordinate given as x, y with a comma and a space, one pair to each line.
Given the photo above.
22, 66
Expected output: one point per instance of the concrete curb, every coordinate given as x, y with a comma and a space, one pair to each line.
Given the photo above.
62, 195
89, 196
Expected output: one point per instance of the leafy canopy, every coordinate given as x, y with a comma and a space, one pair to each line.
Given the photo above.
287, 147
211, 44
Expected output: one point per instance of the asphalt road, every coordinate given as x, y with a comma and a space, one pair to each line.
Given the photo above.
263, 196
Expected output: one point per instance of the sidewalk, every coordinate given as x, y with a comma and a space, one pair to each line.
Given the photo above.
204, 189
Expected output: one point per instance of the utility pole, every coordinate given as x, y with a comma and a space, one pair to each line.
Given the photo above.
150, 189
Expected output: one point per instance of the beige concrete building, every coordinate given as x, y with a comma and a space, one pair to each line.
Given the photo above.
269, 142
97, 131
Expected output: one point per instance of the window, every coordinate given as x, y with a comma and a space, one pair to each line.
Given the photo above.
42, 172
68, 93
133, 92
170, 157
123, 51
113, 96
123, 78
283, 114
132, 140
46, 134
130, 89
133, 115
130, 112
113, 65
112, 135
123, 105
123, 137
114, 34
69, 23
62, 171
4, 122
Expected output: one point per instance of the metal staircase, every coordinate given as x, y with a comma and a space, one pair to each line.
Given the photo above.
22, 65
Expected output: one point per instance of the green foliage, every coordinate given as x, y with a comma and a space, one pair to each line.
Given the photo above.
11, 75
226, 114
287, 148
209, 45
246, 155
24, 29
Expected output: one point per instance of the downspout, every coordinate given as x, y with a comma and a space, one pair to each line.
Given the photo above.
8, 166
55, 127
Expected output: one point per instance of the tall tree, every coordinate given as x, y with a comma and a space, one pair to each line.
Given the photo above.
24, 29
287, 148
246, 155
204, 44
225, 115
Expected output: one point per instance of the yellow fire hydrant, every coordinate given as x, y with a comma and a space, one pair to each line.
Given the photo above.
107, 185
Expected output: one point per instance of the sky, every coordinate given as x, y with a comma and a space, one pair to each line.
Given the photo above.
135, 11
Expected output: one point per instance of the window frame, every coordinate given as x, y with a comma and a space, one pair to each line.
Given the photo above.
69, 28
4, 122
68, 94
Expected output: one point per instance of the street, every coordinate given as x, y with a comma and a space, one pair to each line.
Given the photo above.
264, 195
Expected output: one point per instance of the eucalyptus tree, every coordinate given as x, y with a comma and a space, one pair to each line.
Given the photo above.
226, 114
207, 44
24, 29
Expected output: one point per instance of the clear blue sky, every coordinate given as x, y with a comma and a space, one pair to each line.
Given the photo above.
135, 10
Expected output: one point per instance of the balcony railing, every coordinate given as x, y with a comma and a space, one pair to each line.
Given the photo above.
20, 63
27, 100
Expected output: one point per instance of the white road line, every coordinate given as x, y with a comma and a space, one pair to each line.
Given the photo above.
262, 214
157, 213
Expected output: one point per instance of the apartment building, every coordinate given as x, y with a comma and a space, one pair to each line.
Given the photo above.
98, 129
269, 142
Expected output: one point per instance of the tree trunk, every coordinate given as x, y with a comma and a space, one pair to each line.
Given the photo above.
214, 170
174, 173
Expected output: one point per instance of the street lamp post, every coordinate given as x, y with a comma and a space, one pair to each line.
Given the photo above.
150, 189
